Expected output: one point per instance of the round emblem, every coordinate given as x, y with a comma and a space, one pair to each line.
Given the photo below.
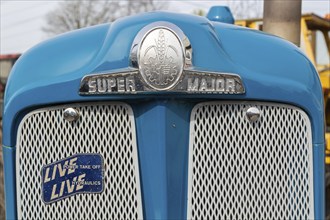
161, 59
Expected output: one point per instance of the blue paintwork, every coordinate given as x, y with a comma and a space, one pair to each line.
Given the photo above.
272, 70
8, 154
319, 169
162, 128
220, 14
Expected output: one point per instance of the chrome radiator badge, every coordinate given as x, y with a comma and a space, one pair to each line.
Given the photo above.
161, 60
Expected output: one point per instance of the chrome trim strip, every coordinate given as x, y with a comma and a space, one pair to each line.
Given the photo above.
192, 82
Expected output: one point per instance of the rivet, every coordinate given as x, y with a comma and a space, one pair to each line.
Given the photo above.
71, 114
253, 114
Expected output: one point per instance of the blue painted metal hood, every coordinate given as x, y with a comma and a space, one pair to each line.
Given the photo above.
271, 68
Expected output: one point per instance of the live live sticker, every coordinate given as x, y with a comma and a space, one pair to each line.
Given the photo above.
80, 173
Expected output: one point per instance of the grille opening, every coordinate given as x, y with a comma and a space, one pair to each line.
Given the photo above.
104, 128
244, 170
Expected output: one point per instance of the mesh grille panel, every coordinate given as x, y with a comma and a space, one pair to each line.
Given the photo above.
108, 129
244, 170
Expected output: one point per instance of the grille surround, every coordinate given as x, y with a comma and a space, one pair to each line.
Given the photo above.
221, 197
119, 192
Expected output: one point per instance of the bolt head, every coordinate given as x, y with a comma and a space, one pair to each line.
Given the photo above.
71, 114
253, 114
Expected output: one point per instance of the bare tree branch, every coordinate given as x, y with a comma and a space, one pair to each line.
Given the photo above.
199, 12
246, 9
77, 14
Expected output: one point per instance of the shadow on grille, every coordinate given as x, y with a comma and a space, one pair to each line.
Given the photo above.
44, 137
244, 170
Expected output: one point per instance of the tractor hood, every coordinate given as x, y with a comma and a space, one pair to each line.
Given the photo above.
269, 67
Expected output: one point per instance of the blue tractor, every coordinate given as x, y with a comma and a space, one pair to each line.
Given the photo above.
164, 116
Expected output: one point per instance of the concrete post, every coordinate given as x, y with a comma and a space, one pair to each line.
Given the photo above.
282, 18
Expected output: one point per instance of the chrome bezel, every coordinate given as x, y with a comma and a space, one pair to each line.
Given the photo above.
183, 39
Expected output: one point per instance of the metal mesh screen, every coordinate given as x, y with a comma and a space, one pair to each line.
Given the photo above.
250, 170
108, 129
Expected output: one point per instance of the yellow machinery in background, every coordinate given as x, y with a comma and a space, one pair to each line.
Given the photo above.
315, 41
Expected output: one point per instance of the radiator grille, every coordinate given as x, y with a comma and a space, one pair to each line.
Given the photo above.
108, 129
244, 170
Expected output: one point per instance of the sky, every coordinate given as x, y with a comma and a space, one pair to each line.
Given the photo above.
21, 21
